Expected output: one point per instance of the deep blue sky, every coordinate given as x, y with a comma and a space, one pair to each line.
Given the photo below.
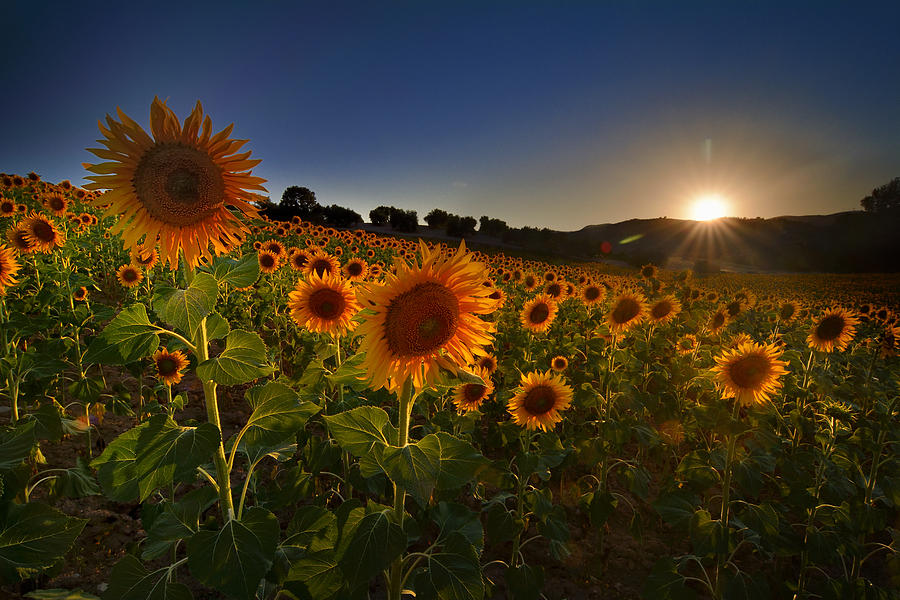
557, 114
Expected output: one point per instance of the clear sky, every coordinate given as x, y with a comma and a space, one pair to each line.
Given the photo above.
557, 114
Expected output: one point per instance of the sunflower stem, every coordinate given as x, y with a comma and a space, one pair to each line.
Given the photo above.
226, 504
407, 397
726, 502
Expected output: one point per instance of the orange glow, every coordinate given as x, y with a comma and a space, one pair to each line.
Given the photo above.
709, 207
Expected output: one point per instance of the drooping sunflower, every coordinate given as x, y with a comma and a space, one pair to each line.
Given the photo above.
80, 294
425, 318
628, 310
833, 331
41, 233
324, 304
468, 396
322, 263
183, 188
17, 238
718, 320
750, 374
538, 313
738, 340
649, 271
889, 341
129, 276
529, 282
144, 257
56, 204
356, 269
9, 266
592, 294
686, 345
498, 296
539, 400
169, 365
787, 311
664, 310
559, 363
268, 261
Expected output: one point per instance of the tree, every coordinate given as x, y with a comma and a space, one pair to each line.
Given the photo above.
437, 218
338, 216
302, 202
404, 220
380, 215
883, 199
492, 227
461, 226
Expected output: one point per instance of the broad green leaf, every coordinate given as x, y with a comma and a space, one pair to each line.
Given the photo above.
316, 575
167, 451
178, 520
676, 507
127, 337
666, 583
75, 482
525, 582
375, 543
15, 445
236, 273
130, 580
116, 466
185, 309
243, 360
234, 559
277, 414
358, 430
33, 537
217, 328
456, 518
452, 573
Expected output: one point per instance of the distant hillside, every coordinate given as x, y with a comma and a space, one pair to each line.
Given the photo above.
843, 242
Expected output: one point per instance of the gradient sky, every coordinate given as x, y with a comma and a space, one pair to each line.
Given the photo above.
556, 114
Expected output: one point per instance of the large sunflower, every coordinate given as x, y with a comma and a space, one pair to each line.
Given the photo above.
322, 263
538, 313
628, 310
833, 331
176, 188
324, 304
539, 400
468, 396
664, 309
425, 318
750, 373
9, 266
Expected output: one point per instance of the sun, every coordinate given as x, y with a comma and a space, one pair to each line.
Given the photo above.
708, 207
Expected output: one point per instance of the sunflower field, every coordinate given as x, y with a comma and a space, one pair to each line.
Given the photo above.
198, 402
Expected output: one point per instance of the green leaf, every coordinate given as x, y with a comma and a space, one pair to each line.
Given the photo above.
375, 543
316, 575
33, 537
359, 430
525, 582
236, 273
15, 445
707, 534
75, 482
130, 580
185, 309
234, 559
178, 520
277, 414
167, 451
243, 360
453, 573
666, 583
127, 338
116, 466
217, 328
456, 518
676, 507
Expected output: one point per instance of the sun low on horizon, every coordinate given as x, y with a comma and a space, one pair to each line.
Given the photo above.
709, 207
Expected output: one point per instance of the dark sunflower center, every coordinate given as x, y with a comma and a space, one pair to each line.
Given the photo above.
529, 281
830, 328
554, 290
559, 363
661, 309
299, 260
647, 272
749, 372
421, 320
718, 320
539, 313
787, 311
267, 260
487, 363
494, 295
327, 304
734, 308
179, 185
21, 241
626, 310
321, 267
354, 269
7, 207
166, 366
592, 293
129, 275
539, 400
473, 392
57, 203
43, 231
